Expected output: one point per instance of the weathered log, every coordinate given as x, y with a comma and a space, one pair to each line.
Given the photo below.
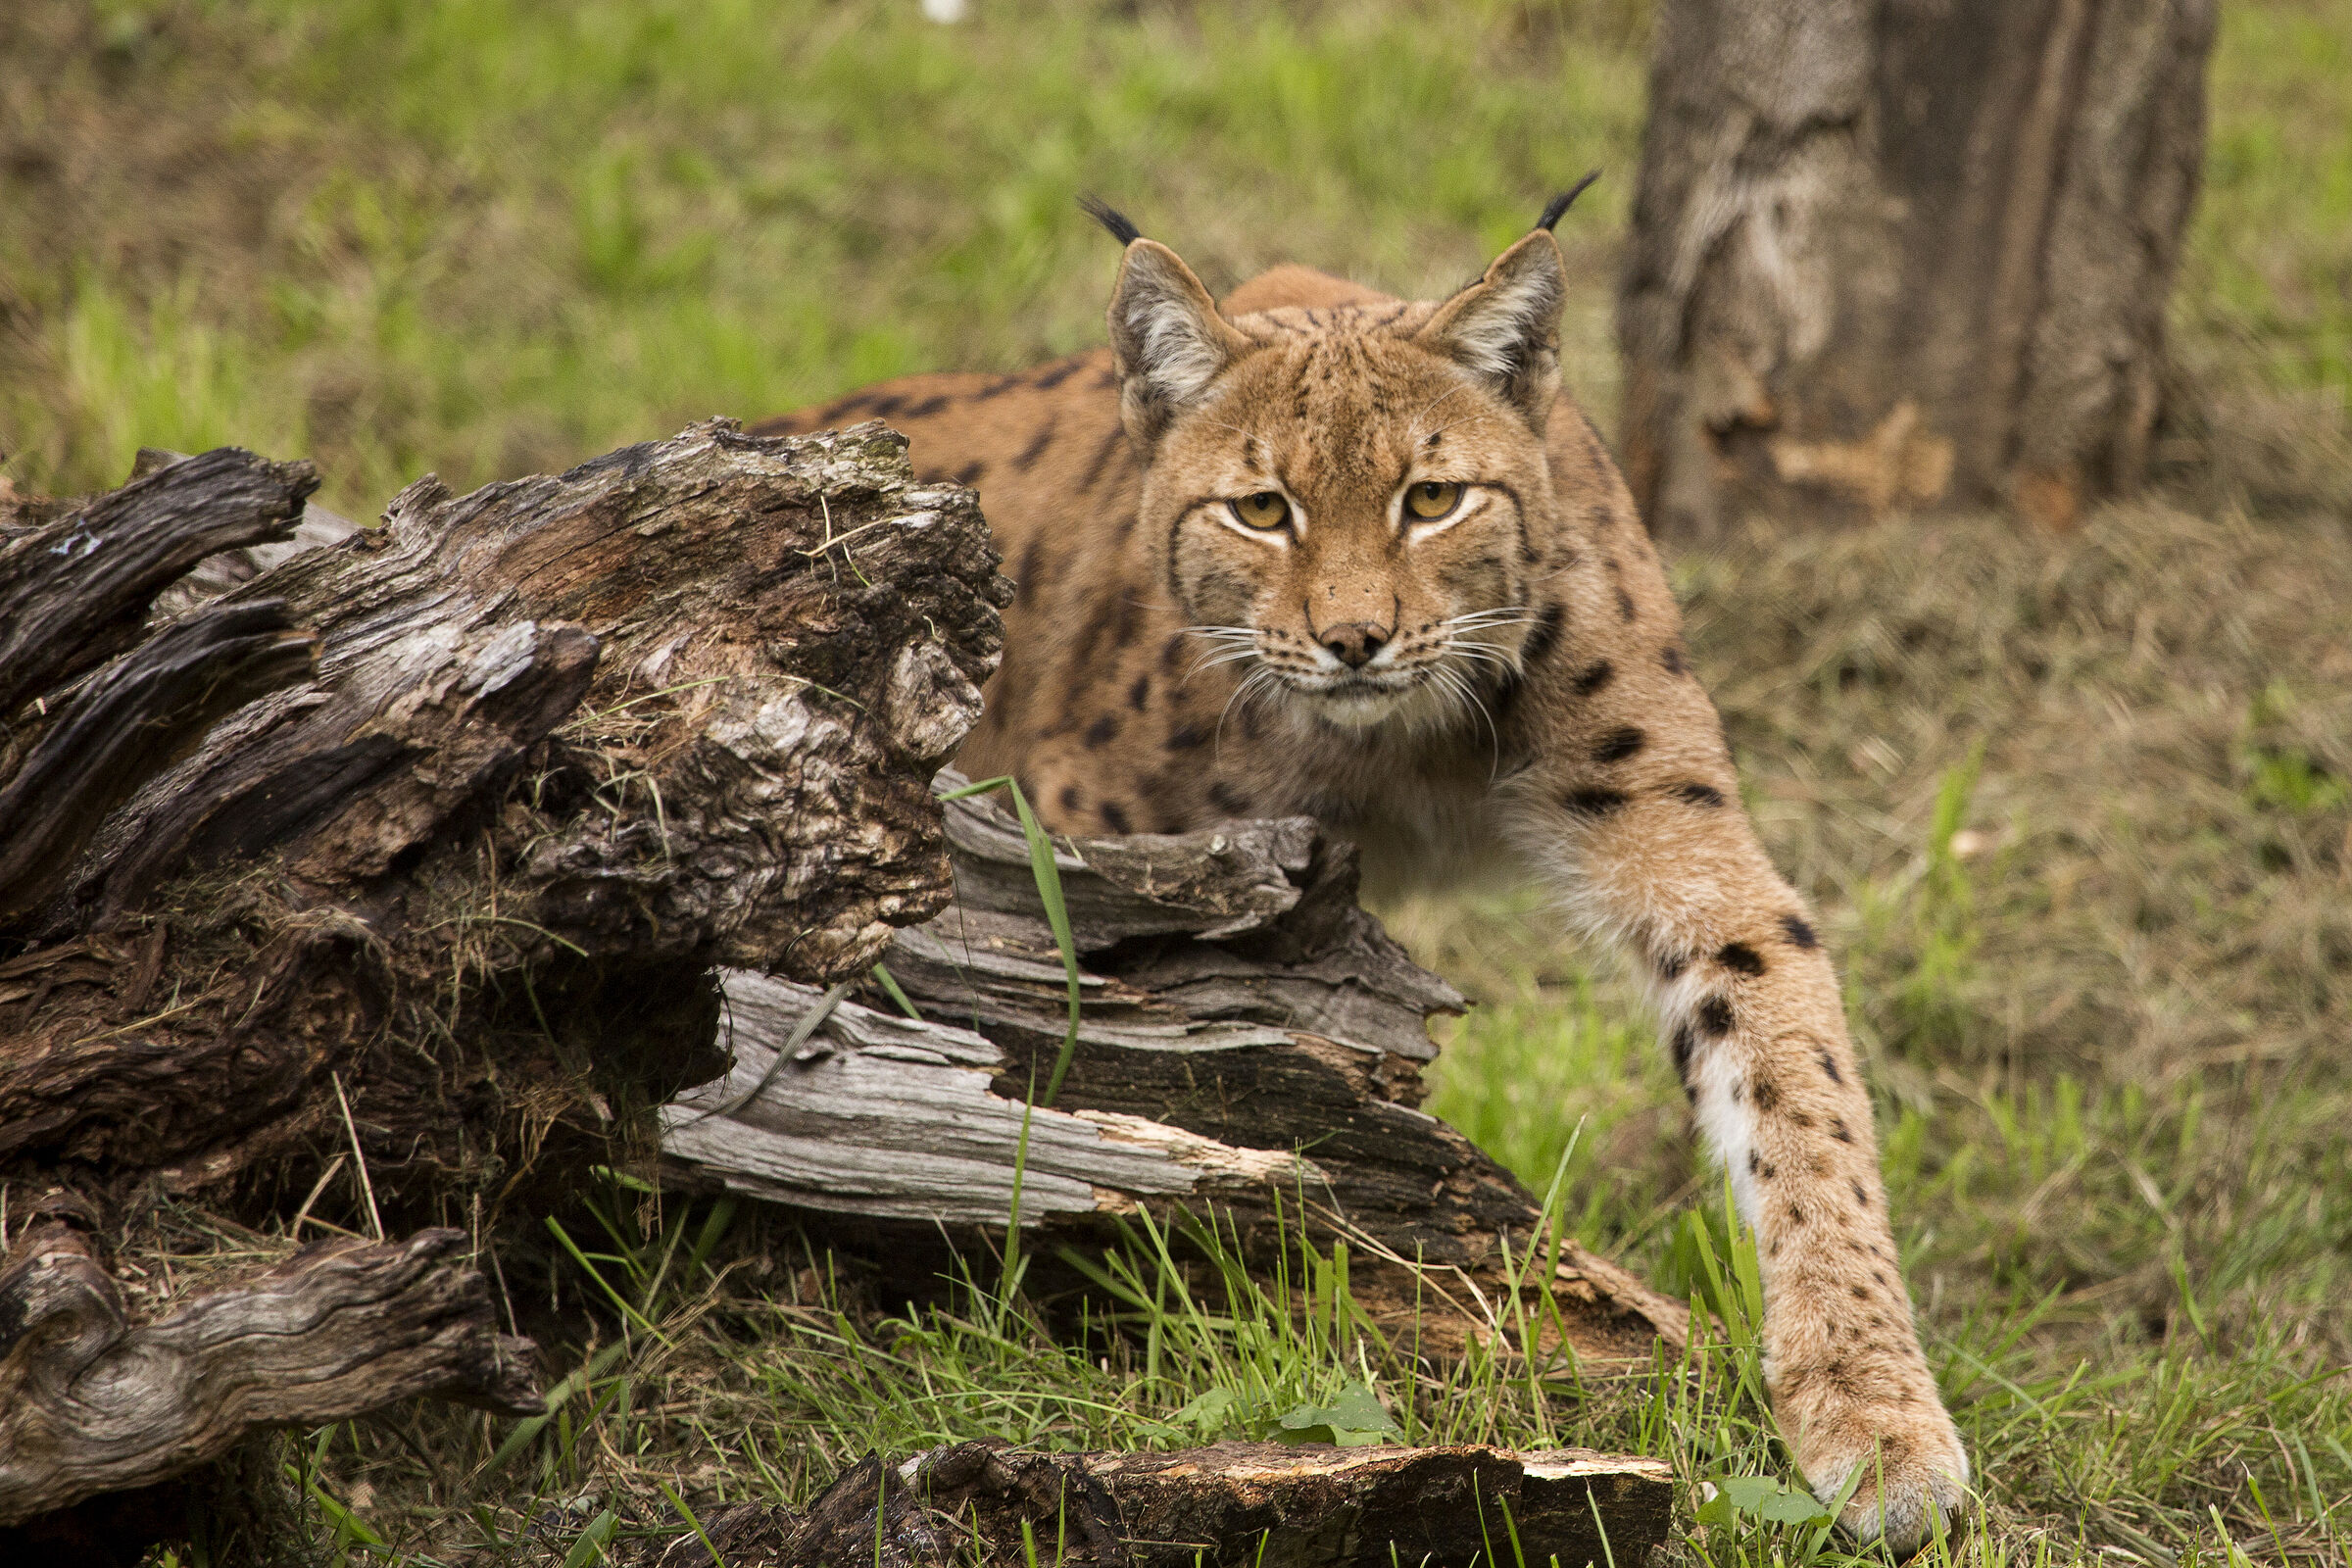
568, 743
408, 856
1905, 257
91, 1402
1273, 1505
74, 591
1249, 1040
129, 721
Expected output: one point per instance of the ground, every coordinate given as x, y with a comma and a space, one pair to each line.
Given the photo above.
2078, 811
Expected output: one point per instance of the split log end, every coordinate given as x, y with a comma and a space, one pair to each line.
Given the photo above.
91, 1402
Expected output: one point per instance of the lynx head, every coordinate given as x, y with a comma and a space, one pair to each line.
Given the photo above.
1349, 500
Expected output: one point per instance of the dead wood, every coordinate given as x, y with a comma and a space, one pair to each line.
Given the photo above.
74, 591
91, 1402
567, 743
1250, 1041
410, 855
127, 723
1272, 1504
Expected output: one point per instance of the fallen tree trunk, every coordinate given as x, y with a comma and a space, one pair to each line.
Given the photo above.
1270, 1504
406, 858
675, 709
1250, 1043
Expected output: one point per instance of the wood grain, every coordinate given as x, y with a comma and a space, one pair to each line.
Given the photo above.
91, 1402
1249, 1047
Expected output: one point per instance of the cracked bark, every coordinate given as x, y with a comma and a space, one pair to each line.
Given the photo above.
601, 731
1905, 256
92, 1402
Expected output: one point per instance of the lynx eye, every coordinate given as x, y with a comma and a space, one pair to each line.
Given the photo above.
1266, 510
1429, 500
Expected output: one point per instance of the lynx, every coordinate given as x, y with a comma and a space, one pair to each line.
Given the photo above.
1320, 551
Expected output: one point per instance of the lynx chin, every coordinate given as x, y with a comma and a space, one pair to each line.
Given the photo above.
1314, 550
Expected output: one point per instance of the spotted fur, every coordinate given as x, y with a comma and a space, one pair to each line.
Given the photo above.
1506, 681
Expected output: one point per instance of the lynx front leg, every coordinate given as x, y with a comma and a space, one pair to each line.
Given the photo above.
1630, 808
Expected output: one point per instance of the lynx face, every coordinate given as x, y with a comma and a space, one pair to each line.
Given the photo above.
1348, 501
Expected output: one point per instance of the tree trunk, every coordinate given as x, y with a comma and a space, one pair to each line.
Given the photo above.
534, 763
1250, 1041
1905, 256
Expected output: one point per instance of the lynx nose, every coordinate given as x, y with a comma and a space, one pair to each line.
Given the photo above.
1354, 642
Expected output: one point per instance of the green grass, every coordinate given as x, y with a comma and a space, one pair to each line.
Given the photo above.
2077, 814
733, 1392
493, 236
726, 1387
2279, 166
509, 235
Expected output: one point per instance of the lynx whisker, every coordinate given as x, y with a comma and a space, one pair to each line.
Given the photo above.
1232, 656
1253, 684
1468, 698
1226, 645
1480, 619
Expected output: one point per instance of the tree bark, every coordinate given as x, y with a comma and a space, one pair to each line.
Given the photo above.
75, 592
1910, 254
1250, 1041
1270, 1504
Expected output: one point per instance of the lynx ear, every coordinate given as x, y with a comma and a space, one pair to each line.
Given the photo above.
1169, 340
1505, 327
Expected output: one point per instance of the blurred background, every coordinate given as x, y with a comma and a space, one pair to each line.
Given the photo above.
491, 238
2077, 805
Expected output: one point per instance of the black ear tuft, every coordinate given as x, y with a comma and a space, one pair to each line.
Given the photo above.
1111, 217
1552, 214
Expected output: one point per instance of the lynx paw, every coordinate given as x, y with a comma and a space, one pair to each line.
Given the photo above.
1914, 1473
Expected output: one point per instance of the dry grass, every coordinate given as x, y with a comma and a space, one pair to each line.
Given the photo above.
2159, 714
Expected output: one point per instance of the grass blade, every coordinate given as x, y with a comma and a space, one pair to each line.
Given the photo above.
1057, 913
